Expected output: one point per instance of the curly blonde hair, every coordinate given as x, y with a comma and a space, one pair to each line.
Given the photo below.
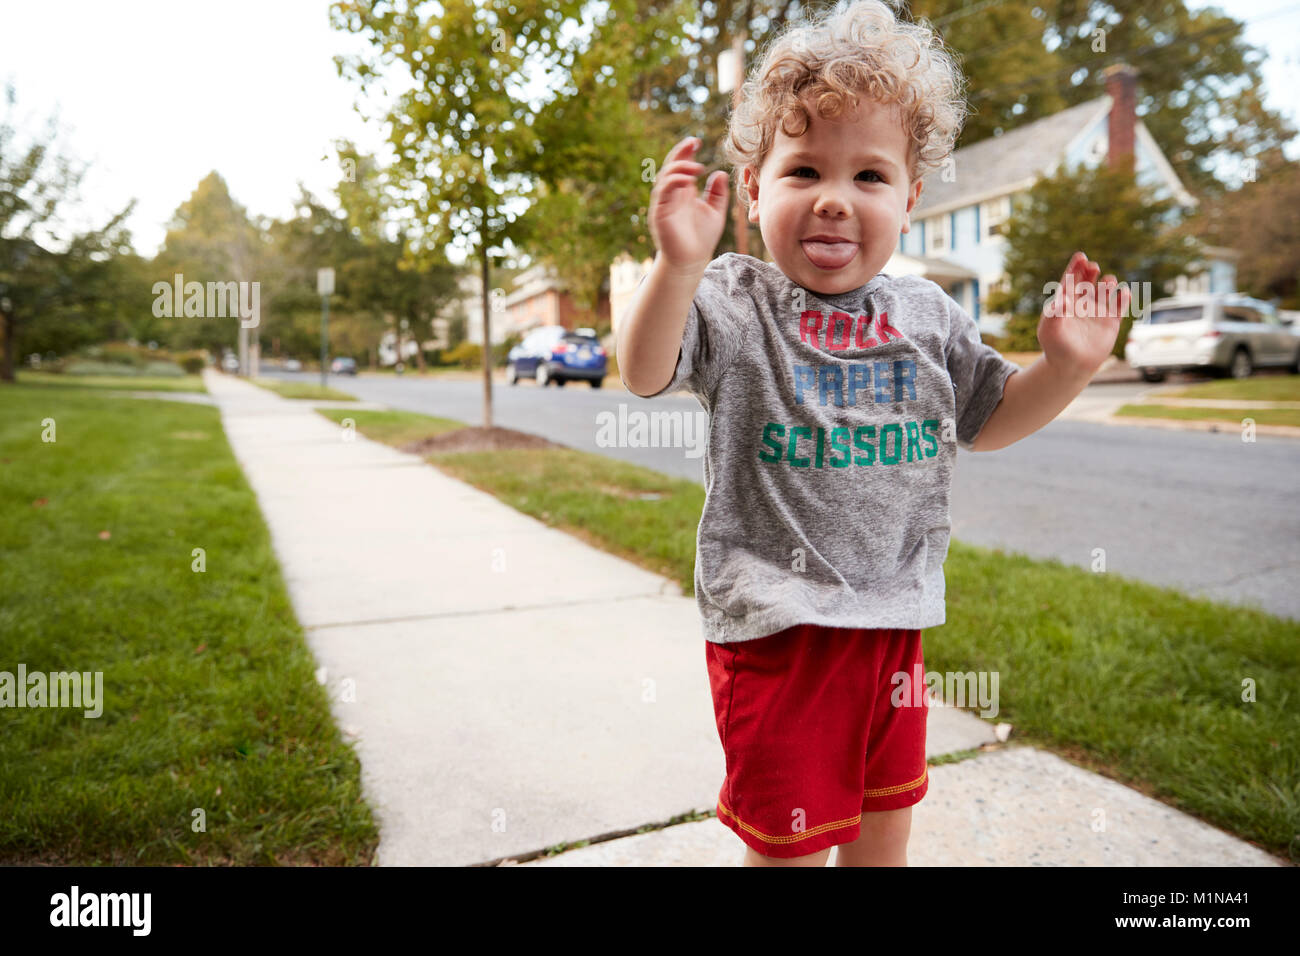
863, 49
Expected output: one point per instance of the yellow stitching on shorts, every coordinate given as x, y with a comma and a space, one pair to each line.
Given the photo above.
887, 791
847, 821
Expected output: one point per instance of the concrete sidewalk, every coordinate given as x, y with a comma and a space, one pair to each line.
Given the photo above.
510, 688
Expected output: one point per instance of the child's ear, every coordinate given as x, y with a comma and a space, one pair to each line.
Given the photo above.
913, 195
751, 187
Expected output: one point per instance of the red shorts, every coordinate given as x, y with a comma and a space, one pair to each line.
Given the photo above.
811, 737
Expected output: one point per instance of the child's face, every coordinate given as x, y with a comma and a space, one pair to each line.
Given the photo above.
844, 178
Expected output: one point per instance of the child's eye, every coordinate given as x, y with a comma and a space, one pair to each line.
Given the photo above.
795, 172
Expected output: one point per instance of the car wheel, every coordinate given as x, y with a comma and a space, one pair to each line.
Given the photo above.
559, 382
597, 383
1241, 364
543, 375
1151, 375
1295, 366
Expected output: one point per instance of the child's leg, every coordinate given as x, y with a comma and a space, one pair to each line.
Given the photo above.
896, 770
882, 840
754, 858
793, 711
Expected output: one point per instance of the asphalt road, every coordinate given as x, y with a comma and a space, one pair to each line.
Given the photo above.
1205, 513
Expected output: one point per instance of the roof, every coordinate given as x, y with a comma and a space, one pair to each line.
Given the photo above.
929, 267
999, 164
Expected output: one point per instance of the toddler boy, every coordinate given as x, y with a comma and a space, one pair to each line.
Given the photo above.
837, 397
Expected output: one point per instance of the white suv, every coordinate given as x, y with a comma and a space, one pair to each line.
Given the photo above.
1232, 334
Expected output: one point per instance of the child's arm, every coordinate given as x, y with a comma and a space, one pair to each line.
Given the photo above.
686, 228
650, 335
1077, 330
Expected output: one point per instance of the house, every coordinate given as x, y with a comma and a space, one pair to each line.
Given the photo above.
387, 348
956, 240
624, 276
538, 298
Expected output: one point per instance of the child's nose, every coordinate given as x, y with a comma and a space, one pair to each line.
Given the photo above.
830, 201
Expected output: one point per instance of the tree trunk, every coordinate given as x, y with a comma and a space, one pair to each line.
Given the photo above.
7, 370
487, 341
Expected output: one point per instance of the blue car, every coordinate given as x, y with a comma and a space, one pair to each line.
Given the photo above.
555, 354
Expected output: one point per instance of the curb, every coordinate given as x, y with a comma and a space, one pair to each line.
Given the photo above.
1281, 431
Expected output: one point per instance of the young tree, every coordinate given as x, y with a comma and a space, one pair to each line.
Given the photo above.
463, 127
390, 281
1109, 216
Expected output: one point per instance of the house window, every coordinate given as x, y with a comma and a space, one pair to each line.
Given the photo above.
977, 224
952, 230
938, 235
997, 211
975, 298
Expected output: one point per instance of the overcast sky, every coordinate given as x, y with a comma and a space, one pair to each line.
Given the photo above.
155, 94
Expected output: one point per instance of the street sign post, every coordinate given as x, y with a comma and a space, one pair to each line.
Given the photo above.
325, 288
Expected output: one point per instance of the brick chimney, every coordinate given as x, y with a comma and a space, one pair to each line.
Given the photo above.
1121, 85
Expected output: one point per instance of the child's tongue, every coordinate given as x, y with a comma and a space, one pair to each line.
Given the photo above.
829, 255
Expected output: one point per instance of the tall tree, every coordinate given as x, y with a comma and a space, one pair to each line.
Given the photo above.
1197, 73
45, 265
212, 239
1261, 220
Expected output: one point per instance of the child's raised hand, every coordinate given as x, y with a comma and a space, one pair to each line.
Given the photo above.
685, 226
1081, 321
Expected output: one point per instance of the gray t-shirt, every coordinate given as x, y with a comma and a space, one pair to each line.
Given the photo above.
833, 429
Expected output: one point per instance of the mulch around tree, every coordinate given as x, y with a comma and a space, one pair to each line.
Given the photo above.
477, 438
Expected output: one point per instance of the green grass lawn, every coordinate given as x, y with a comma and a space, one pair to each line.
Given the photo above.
392, 427
302, 390
1258, 388
1232, 416
1137, 682
210, 698
177, 383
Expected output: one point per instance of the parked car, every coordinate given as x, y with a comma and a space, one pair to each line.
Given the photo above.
1219, 333
343, 365
554, 354
292, 365
230, 362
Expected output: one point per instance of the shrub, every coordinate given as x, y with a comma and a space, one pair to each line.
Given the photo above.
119, 353
466, 355
98, 367
193, 362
